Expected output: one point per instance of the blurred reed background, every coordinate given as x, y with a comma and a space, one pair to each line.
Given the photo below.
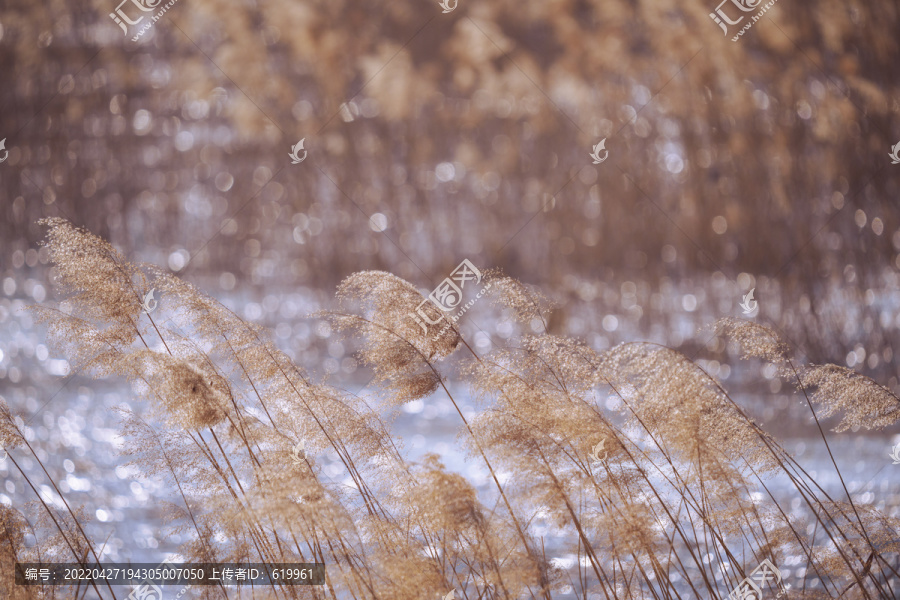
436, 137
466, 135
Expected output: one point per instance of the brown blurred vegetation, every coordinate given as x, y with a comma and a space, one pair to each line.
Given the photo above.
783, 134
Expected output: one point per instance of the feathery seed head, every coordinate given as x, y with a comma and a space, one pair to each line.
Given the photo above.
399, 345
865, 403
193, 395
10, 435
391, 304
101, 281
13, 527
755, 340
527, 304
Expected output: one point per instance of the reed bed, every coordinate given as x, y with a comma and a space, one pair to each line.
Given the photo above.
654, 477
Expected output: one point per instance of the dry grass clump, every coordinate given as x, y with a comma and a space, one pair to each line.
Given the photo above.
526, 304
13, 527
755, 340
100, 285
863, 402
635, 461
399, 348
190, 393
686, 410
10, 434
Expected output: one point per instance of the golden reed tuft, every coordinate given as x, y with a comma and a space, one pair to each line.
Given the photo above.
633, 468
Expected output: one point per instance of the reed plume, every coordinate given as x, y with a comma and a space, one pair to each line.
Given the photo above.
627, 473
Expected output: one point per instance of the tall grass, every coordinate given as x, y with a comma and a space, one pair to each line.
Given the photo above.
680, 504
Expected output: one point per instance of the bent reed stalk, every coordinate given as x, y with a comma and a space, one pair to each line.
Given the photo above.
680, 506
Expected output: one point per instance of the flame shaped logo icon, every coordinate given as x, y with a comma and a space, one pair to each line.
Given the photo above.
149, 303
445, 4
749, 304
298, 453
5, 151
595, 452
895, 154
295, 153
895, 455
596, 153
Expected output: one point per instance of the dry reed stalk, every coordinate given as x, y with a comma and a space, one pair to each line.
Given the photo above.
674, 499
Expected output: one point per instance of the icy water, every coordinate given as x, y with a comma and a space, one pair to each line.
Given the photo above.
71, 423
76, 436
